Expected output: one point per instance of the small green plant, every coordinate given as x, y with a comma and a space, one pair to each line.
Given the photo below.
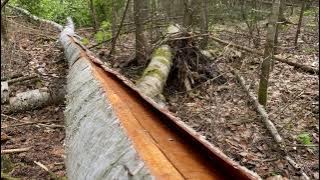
304, 138
85, 41
104, 32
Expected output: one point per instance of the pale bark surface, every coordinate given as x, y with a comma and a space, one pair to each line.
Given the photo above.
299, 23
155, 75
96, 145
34, 99
4, 92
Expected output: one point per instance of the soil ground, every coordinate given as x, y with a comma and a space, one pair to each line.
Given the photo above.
33, 49
220, 112
223, 113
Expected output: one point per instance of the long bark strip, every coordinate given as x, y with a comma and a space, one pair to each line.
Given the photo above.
268, 123
116, 132
297, 65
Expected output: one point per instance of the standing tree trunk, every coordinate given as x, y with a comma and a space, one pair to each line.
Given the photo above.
187, 17
4, 35
268, 53
303, 4
114, 18
140, 39
204, 23
115, 37
94, 16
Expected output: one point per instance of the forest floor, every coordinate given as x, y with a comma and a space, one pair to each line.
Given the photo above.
223, 113
33, 50
220, 112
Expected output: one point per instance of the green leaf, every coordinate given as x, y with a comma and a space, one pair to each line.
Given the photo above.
85, 41
304, 138
99, 36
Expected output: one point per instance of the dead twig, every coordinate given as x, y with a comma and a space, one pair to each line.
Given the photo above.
52, 125
9, 117
52, 174
30, 123
269, 124
8, 151
283, 60
20, 79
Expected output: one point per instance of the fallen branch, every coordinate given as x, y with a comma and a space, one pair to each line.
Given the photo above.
283, 60
11, 77
10, 117
7, 176
31, 123
52, 125
20, 79
8, 151
51, 174
269, 124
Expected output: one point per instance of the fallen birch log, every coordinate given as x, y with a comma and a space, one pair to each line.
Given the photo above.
4, 92
97, 147
34, 99
269, 124
155, 75
297, 65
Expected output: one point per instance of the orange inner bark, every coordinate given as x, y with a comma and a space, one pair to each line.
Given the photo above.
166, 154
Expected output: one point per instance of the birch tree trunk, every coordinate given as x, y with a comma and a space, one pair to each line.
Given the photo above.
299, 23
155, 75
268, 53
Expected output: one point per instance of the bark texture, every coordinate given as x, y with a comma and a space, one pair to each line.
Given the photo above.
4, 92
155, 75
34, 99
268, 53
299, 23
96, 145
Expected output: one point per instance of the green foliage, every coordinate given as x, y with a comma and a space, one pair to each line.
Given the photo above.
85, 41
104, 32
59, 10
304, 138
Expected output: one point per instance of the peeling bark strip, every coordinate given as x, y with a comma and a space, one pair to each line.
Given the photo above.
96, 145
106, 114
